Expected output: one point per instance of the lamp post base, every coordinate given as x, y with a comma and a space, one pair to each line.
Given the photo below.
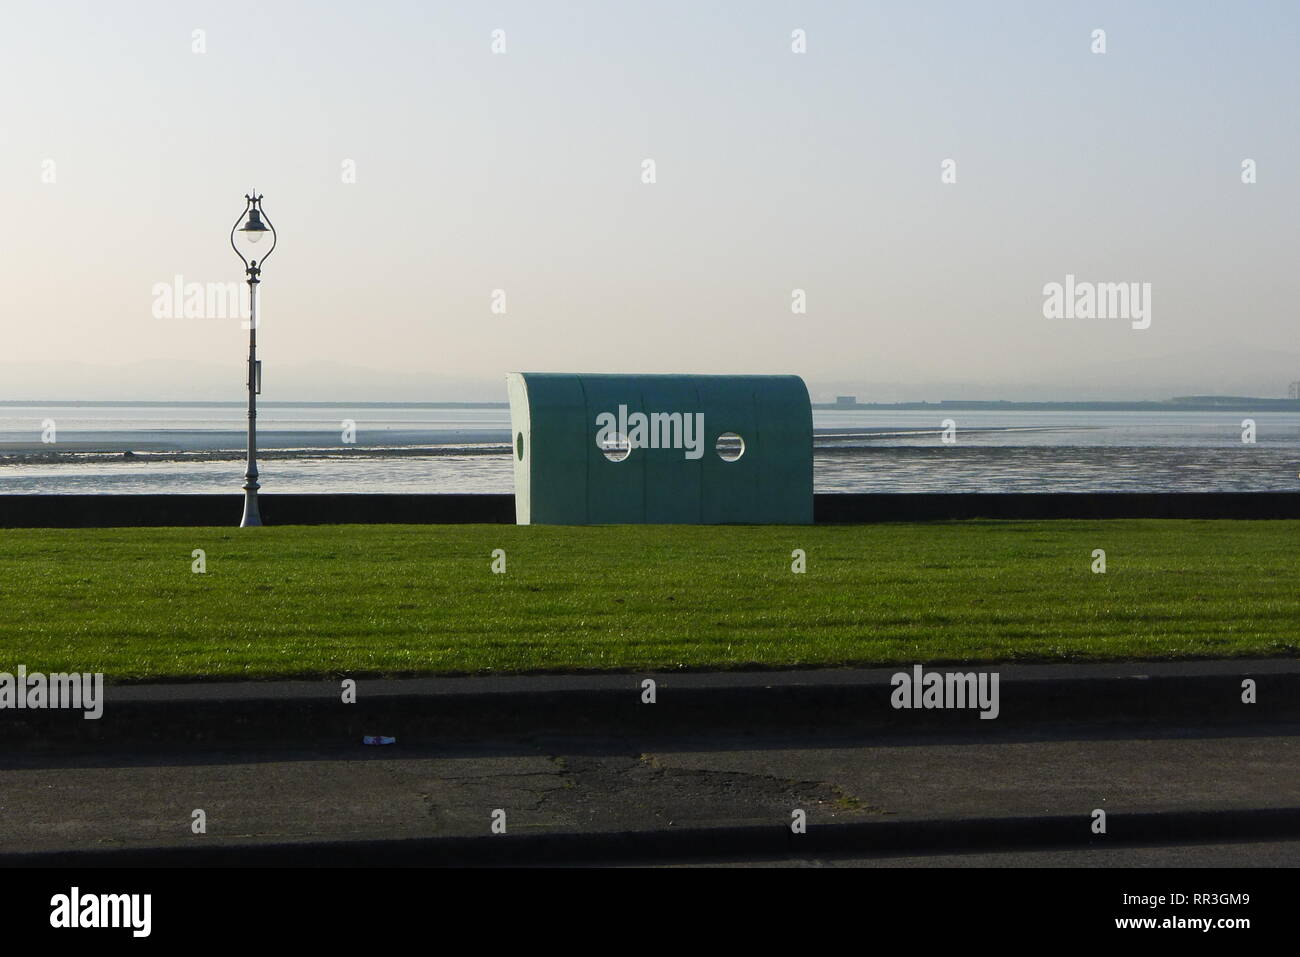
252, 517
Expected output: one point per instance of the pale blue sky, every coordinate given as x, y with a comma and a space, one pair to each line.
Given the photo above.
775, 171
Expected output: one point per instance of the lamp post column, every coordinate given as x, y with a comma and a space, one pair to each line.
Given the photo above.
252, 516
255, 227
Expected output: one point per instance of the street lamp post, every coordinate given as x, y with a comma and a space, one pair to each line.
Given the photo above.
252, 231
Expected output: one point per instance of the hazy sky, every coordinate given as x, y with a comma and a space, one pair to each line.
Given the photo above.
775, 171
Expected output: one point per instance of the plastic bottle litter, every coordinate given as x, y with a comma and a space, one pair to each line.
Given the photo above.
378, 739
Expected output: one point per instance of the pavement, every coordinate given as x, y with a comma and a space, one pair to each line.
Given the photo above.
1180, 856
1199, 778
431, 711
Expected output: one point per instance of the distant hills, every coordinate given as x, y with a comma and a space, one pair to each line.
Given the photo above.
1182, 403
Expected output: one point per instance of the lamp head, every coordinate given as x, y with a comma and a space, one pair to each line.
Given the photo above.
252, 225
254, 229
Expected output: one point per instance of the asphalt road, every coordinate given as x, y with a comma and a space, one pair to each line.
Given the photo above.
354, 793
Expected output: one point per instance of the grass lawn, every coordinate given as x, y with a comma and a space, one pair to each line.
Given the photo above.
388, 600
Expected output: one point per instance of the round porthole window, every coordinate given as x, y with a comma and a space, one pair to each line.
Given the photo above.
729, 447
616, 447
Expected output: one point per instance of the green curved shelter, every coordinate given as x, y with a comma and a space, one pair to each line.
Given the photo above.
636, 449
